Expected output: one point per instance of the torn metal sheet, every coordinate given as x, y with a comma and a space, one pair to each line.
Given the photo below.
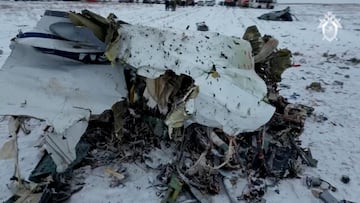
231, 99
52, 87
282, 15
55, 89
8, 149
62, 146
44, 78
54, 35
77, 33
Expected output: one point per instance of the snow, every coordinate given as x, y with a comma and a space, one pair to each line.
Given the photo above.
333, 142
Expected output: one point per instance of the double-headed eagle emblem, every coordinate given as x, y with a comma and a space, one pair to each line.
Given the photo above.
329, 25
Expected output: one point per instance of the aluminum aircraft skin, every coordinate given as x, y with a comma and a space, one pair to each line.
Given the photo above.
58, 72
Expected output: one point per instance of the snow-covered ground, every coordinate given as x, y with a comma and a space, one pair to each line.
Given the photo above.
334, 142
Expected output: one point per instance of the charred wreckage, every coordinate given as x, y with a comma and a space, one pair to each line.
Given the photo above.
106, 92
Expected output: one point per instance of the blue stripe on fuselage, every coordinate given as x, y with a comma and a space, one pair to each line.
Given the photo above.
39, 35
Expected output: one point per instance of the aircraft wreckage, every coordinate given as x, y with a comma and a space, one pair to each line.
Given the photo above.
55, 75
74, 66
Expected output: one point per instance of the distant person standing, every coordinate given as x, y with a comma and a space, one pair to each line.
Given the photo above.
173, 5
167, 5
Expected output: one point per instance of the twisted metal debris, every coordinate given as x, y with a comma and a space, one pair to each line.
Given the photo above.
202, 156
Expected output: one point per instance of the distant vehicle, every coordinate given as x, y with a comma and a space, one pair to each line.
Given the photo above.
210, 2
229, 3
201, 3
148, 1
269, 4
190, 2
244, 3
126, 1
186, 3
